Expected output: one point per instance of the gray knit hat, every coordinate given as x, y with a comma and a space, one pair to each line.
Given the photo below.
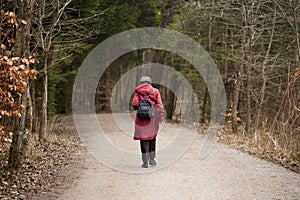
145, 79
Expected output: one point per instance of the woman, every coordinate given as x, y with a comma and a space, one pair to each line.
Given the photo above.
146, 129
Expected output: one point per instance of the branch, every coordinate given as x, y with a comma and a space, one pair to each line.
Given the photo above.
53, 65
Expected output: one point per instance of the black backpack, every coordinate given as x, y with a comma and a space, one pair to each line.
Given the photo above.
145, 109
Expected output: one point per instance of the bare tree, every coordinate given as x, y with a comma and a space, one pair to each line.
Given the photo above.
48, 19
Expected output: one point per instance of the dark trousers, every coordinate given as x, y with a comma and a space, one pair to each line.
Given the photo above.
148, 149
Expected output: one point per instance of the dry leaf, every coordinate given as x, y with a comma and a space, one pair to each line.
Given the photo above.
24, 21
22, 67
8, 53
12, 41
3, 47
11, 14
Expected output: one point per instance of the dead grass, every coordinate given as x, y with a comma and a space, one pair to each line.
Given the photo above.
278, 148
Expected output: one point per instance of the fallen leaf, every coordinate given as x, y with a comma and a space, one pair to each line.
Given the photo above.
24, 21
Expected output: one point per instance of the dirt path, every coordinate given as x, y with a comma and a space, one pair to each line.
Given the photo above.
223, 174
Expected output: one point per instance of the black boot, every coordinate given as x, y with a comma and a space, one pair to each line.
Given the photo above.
152, 162
145, 158
145, 165
152, 157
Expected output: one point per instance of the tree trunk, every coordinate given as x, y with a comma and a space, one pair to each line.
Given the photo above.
43, 121
203, 117
238, 86
14, 153
206, 94
264, 75
248, 89
297, 37
19, 143
236, 101
34, 108
171, 103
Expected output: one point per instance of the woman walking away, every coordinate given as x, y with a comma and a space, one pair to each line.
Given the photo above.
150, 113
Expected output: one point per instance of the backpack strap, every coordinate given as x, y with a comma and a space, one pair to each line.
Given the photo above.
147, 95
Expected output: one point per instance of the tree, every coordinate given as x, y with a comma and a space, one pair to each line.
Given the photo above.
15, 72
48, 20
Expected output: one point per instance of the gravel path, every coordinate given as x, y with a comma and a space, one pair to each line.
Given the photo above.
224, 174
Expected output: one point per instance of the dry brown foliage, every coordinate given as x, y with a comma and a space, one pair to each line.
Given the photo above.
14, 74
265, 145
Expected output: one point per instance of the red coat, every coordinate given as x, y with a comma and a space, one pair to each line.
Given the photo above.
147, 129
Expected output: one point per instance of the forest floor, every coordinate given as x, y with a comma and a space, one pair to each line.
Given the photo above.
49, 168
224, 174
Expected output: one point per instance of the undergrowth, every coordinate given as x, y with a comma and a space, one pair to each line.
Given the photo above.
278, 148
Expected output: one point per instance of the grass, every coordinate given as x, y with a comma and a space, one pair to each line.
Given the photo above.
281, 148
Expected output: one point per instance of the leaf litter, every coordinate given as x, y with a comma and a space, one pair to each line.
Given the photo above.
45, 167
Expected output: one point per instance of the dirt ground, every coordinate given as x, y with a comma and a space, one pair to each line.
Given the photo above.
224, 174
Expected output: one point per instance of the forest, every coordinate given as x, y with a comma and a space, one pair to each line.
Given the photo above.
254, 43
